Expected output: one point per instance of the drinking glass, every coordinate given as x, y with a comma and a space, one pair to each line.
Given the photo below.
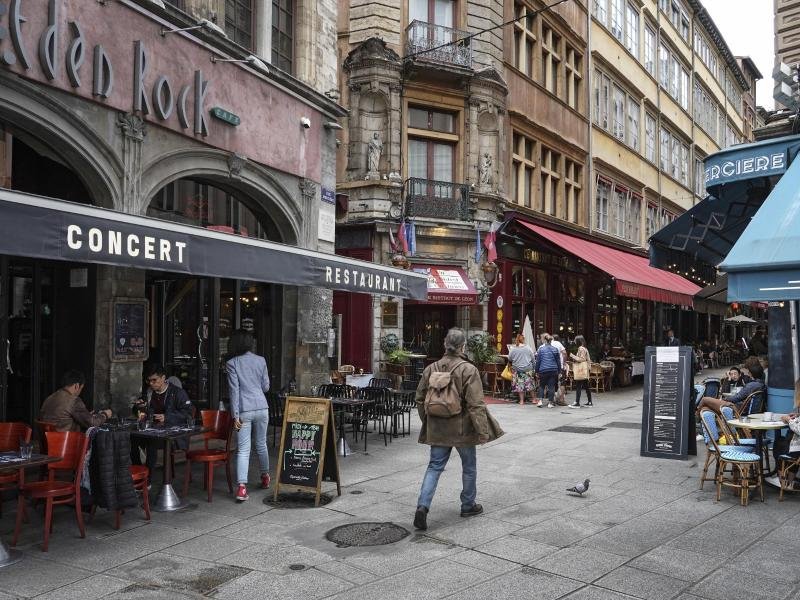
190, 422
25, 450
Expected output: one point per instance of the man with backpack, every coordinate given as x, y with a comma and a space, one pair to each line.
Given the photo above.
450, 404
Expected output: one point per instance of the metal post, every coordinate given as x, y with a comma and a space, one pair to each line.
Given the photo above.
793, 308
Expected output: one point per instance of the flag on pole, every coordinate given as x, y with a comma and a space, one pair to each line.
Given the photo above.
402, 239
478, 250
412, 237
392, 242
489, 243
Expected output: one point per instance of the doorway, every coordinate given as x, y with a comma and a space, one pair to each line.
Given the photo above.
425, 327
45, 330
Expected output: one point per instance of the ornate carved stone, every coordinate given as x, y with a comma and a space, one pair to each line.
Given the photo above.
236, 163
133, 130
308, 189
374, 50
396, 88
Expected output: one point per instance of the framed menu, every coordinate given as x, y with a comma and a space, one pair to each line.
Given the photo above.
129, 330
667, 402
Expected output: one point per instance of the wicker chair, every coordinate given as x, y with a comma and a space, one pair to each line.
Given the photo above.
785, 465
711, 432
346, 370
597, 378
754, 403
608, 370
744, 465
712, 387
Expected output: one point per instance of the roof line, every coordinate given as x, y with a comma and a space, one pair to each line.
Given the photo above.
702, 14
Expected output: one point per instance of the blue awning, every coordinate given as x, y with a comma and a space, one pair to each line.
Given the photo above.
764, 264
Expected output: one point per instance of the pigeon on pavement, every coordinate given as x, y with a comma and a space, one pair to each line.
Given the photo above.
579, 488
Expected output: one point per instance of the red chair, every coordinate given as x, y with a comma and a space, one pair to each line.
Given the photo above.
71, 447
42, 427
10, 435
140, 475
220, 423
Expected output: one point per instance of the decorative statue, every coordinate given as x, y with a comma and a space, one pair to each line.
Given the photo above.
375, 149
485, 169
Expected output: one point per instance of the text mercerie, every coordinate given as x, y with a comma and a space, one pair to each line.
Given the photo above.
115, 243
362, 280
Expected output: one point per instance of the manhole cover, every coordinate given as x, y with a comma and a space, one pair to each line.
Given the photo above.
623, 425
356, 492
296, 500
576, 429
366, 534
297, 567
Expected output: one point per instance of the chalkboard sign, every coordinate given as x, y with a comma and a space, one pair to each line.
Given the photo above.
129, 331
307, 454
667, 409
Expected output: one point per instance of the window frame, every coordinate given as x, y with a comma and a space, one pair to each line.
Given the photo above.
277, 56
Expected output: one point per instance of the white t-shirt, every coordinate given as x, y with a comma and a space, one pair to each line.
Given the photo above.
561, 351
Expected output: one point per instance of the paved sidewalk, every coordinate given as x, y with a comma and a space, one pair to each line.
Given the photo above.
643, 530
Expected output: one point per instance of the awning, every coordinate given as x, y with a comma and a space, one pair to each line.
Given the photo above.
738, 180
447, 285
633, 275
38, 227
764, 264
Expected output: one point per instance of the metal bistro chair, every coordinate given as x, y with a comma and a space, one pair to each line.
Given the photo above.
10, 436
276, 404
71, 447
379, 413
380, 382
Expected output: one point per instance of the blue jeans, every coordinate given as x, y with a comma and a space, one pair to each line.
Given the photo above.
469, 475
256, 420
548, 380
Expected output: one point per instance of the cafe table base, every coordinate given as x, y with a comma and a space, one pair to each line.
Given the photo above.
8, 556
343, 448
168, 500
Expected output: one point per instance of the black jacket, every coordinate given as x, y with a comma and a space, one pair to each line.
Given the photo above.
177, 406
109, 469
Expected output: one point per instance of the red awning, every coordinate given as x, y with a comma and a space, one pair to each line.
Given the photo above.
447, 285
634, 276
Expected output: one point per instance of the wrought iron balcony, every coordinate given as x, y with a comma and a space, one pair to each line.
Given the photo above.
423, 37
431, 199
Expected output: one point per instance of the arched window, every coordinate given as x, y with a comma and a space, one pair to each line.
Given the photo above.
200, 203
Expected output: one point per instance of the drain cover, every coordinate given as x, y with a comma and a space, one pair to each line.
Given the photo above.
297, 567
366, 534
623, 425
356, 492
296, 500
576, 429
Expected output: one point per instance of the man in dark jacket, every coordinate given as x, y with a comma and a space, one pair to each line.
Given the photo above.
166, 404
472, 426
548, 366
65, 408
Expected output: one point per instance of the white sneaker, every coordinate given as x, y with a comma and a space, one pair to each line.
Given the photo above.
551, 405
774, 480
574, 406
699, 437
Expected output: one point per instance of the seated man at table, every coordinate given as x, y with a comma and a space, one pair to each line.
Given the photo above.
732, 381
66, 410
165, 404
756, 384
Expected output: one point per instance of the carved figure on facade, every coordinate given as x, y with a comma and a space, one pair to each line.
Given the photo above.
485, 169
235, 164
374, 153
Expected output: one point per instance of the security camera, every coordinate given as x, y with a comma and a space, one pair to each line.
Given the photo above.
305, 122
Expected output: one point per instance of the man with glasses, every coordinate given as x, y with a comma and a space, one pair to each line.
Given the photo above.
164, 404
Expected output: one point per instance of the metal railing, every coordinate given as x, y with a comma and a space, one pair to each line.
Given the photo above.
422, 37
437, 199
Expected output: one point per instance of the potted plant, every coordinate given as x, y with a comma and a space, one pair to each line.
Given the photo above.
481, 347
397, 360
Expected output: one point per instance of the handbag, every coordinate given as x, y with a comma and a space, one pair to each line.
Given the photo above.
580, 370
507, 374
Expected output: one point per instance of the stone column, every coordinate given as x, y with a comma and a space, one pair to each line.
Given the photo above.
314, 306
133, 130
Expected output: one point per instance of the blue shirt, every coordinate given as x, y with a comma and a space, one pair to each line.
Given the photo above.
548, 358
754, 385
248, 382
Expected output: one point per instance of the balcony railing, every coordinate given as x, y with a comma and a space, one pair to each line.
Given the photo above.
422, 37
437, 199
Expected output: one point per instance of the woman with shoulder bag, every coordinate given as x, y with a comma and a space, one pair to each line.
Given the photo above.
580, 372
521, 358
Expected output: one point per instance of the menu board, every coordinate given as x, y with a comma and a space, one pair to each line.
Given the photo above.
307, 454
129, 330
667, 397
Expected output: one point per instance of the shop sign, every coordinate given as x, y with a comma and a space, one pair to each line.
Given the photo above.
134, 246
763, 164
328, 196
161, 100
361, 281
225, 116
543, 258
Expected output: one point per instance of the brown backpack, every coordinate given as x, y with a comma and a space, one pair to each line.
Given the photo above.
442, 398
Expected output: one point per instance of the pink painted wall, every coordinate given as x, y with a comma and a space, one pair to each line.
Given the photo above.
270, 132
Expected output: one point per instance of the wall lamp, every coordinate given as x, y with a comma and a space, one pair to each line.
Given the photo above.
490, 272
251, 60
201, 24
332, 125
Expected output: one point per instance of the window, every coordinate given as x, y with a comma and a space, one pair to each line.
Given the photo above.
651, 221
282, 33
733, 93
239, 22
601, 92
663, 66
633, 216
677, 16
674, 157
617, 210
601, 10
573, 76
705, 110
601, 204
524, 39
649, 50
633, 124
523, 169
572, 190
650, 137
683, 175
673, 76
699, 178
618, 125
617, 19
428, 157
549, 196
436, 12
551, 59
632, 30
434, 120
684, 89
665, 140
709, 58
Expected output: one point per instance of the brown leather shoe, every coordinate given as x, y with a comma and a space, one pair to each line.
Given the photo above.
475, 510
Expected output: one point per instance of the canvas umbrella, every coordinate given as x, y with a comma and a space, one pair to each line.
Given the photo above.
740, 319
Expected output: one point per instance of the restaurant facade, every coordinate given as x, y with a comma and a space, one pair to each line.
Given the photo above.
161, 187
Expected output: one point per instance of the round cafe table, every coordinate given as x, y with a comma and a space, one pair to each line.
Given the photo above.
758, 426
